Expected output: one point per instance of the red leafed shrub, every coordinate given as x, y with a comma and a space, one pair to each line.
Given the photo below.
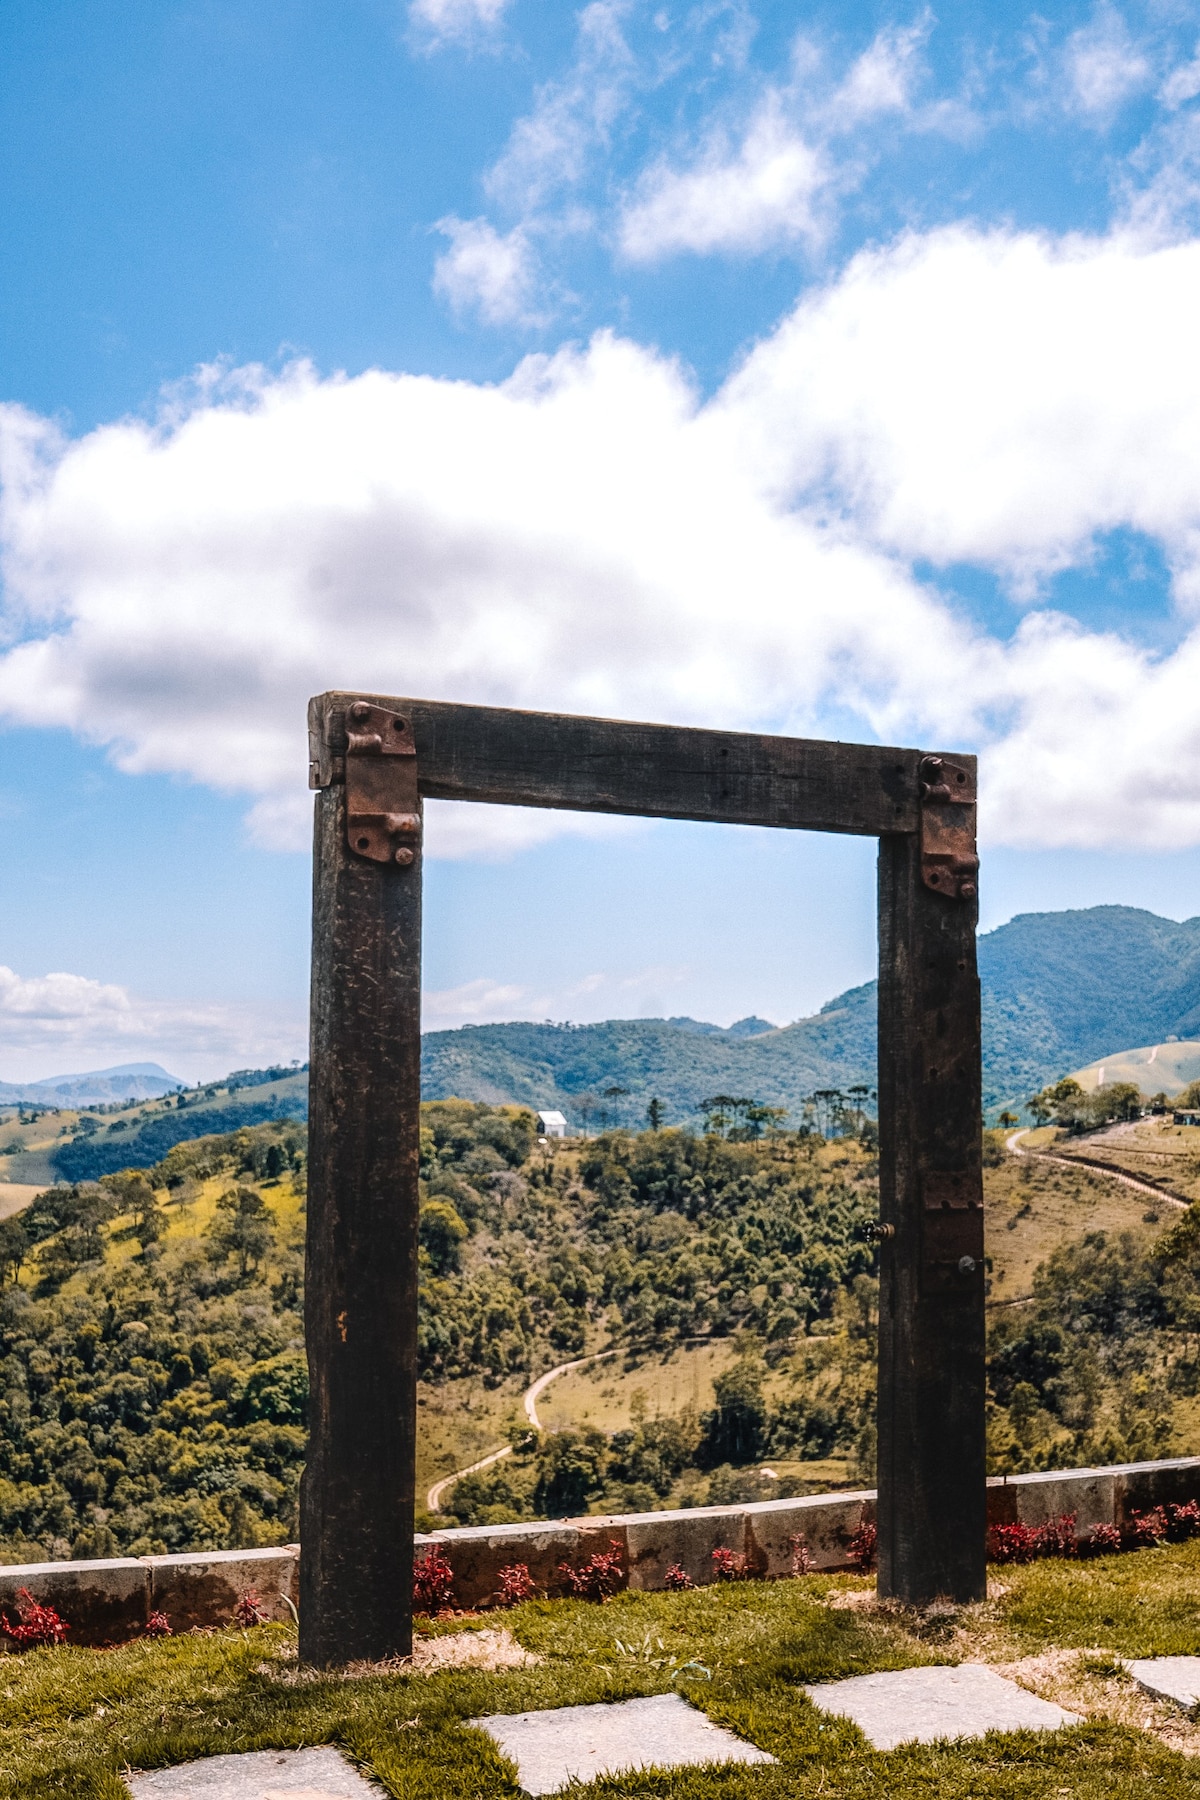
1013, 1543
600, 1577
1101, 1540
1148, 1528
1184, 1521
433, 1582
37, 1626
158, 1625
863, 1545
729, 1565
802, 1562
1057, 1537
248, 1611
677, 1580
516, 1584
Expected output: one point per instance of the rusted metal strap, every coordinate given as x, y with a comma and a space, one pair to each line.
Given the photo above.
949, 863
383, 812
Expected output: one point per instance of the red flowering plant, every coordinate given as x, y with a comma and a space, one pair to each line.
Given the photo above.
677, 1580
729, 1565
863, 1545
38, 1627
1101, 1540
433, 1582
600, 1577
1148, 1528
158, 1625
249, 1611
516, 1584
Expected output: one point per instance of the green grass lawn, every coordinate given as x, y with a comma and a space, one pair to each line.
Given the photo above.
70, 1720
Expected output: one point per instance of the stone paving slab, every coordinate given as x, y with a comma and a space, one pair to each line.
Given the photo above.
578, 1743
906, 1706
320, 1774
1168, 1677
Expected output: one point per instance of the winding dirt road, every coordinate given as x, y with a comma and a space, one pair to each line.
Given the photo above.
1100, 1168
532, 1395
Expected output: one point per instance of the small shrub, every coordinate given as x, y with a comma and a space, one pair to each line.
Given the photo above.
158, 1625
1012, 1543
677, 1580
516, 1584
433, 1582
248, 1611
862, 1548
1057, 1536
1101, 1540
600, 1577
37, 1626
729, 1565
1148, 1528
802, 1562
1184, 1521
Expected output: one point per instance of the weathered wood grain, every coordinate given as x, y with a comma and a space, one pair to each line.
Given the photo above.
931, 1461
356, 1506
657, 771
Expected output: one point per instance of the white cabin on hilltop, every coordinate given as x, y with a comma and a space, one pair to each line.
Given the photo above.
551, 1124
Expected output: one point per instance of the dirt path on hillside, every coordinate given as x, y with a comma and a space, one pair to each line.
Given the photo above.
1097, 1164
530, 1399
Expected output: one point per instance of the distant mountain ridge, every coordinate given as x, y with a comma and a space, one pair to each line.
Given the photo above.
97, 1087
1060, 990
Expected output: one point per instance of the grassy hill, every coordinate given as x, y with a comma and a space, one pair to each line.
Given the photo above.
1154, 1068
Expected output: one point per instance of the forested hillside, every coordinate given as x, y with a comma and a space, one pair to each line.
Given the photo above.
1059, 990
153, 1388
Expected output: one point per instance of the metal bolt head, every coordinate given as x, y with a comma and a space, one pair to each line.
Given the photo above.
360, 711
968, 890
966, 1265
404, 856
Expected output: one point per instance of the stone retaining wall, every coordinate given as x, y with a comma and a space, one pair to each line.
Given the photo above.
107, 1602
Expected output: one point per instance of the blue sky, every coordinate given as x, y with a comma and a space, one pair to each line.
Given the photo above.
828, 371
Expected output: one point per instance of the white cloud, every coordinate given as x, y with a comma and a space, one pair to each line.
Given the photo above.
588, 536
552, 146
601, 995
1182, 84
762, 193
882, 79
52, 1024
1104, 65
486, 273
452, 21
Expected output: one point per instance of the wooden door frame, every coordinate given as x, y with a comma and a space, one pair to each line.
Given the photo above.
373, 760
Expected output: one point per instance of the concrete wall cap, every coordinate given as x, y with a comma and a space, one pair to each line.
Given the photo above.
199, 1559
22, 1573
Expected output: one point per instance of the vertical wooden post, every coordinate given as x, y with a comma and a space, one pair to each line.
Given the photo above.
356, 1507
931, 1462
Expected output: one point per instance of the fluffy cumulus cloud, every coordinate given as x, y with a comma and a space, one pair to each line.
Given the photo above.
55, 1024
591, 536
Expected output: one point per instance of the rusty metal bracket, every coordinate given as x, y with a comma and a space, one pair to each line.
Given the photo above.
952, 1259
949, 863
383, 810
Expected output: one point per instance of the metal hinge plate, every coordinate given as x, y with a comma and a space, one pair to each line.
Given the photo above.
383, 809
949, 864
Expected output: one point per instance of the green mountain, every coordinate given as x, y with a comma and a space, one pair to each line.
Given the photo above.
1059, 991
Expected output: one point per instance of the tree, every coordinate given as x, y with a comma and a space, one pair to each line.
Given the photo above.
13, 1245
243, 1228
654, 1114
735, 1429
612, 1095
441, 1232
1008, 1119
570, 1470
